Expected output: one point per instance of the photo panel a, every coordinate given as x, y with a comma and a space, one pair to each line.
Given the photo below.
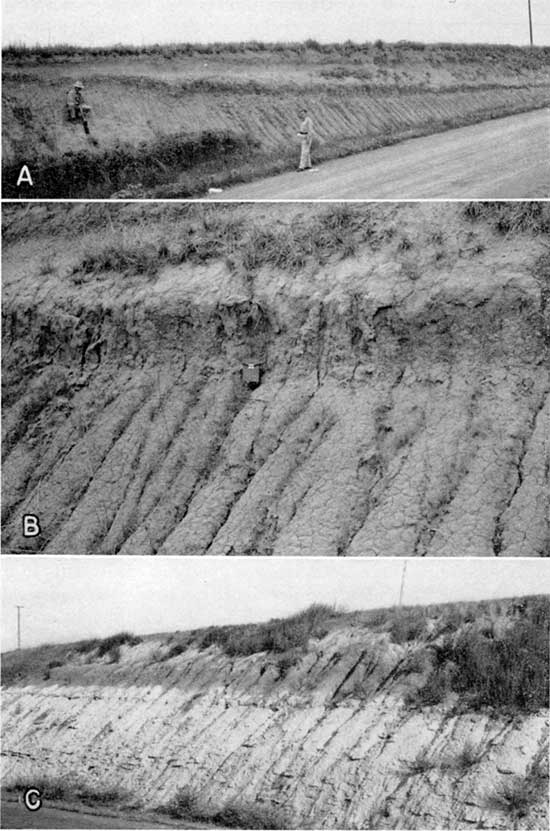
236, 99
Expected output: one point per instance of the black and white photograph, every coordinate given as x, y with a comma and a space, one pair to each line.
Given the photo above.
277, 380
281, 693
240, 99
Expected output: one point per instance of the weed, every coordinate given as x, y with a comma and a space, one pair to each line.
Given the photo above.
420, 764
136, 259
277, 635
286, 661
239, 815
176, 649
514, 798
467, 757
511, 671
57, 789
511, 217
188, 805
46, 266
408, 625
184, 804
86, 174
108, 644
114, 654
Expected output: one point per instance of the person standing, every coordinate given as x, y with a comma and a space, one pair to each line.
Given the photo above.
306, 137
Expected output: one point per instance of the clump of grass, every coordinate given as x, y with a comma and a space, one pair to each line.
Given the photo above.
420, 764
66, 789
514, 798
130, 259
467, 757
507, 672
239, 815
246, 247
85, 174
278, 635
511, 217
175, 649
107, 645
408, 625
186, 804
47, 266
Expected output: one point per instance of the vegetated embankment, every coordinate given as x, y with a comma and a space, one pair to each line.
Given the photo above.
229, 114
403, 398
433, 717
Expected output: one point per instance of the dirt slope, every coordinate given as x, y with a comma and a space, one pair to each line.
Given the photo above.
327, 736
403, 406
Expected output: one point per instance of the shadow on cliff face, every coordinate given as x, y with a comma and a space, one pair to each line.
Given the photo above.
401, 404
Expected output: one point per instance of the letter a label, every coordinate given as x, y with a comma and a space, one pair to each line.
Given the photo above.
31, 526
25, 177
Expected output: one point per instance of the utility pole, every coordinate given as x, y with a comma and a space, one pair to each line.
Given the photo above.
530, 23
19, 625
402, 583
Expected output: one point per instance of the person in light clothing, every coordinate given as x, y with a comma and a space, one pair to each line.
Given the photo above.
306, 137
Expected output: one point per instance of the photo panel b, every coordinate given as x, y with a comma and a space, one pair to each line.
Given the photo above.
277, 379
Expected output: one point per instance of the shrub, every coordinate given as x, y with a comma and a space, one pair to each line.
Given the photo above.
184, 805
507, 672
114, 654
467, 757
514, 798
86, 646
187, 805
85, 174
511, 217
277, 635
175, 650
107, 645
57, 789
238, 815
407, 625
420, 764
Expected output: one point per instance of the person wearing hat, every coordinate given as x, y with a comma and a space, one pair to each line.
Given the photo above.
75, 101
306, 137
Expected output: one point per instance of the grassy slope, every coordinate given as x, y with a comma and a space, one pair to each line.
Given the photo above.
360, 97
494, 653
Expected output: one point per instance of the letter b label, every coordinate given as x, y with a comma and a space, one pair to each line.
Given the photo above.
31, 525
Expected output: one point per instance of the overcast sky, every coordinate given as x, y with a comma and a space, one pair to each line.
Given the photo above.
69, 598
104, 22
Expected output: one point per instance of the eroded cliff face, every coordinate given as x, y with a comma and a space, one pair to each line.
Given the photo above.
403, 407
326, 739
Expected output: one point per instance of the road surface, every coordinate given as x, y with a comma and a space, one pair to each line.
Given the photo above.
501, 159
15, 815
